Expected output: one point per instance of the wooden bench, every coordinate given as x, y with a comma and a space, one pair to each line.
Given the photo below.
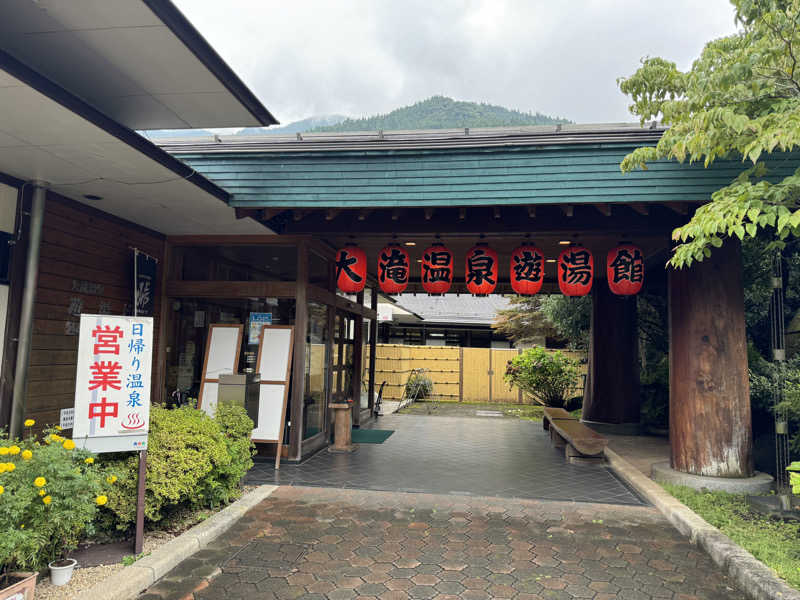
581, 444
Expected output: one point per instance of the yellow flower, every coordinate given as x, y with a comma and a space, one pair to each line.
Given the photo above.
56, 438
14, 450
3, 451
2, 467
42, 492
69, 444
111, 479
89, 460
10, 467
2, 489
29, 422
58, 427
27, 455
39, 482
22, 526
47, 499
101, 500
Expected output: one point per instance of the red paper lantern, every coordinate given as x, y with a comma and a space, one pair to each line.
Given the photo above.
437, 269
351, 269
393, 267
625, 269
575, 271
527, 270
481, 270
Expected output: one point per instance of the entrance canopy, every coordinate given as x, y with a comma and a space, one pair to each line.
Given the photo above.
140, 62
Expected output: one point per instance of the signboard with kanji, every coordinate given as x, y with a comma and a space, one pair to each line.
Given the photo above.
112, 389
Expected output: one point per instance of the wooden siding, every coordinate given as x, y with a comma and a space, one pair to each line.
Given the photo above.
86, 265
516, 175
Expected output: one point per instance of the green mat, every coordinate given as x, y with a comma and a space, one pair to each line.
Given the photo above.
371, 436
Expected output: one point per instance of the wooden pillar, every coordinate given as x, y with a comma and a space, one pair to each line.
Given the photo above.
373, 346
611, 393
709, 389
299, 358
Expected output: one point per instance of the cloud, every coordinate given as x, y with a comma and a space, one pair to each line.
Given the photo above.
362, 57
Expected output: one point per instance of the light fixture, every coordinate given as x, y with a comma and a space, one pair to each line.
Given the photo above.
419, 260
551, 260
564, 242
411, 243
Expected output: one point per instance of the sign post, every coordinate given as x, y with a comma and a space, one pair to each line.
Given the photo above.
112, 390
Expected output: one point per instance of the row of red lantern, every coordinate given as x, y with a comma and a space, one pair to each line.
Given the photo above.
575, 269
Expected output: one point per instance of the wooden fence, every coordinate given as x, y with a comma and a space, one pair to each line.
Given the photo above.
458, 374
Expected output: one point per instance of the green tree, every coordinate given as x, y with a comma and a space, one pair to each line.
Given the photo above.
523, 321
547, 376
740, 99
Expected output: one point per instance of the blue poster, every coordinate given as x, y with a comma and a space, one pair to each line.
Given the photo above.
257, 320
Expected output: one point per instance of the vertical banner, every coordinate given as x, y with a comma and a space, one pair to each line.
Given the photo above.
112, 388
144, 273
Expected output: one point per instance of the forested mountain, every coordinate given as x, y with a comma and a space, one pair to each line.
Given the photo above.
295, 126
440, 112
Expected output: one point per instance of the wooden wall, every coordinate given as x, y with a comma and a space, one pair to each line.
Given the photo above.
458, 374
86, 265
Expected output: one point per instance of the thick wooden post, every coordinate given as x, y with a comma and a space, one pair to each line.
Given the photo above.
709, 389
611, 394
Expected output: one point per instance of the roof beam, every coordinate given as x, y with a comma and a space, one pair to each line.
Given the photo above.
604, 209
397, 213
462, 213
641, 208
682, 208
568, 210
332, 213
364, 213
429, 213
531, 212
299, 214
497, 213
271, 213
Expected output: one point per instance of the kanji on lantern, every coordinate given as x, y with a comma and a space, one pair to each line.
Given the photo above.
527, 270
625, 270
575, 271
437, 269
351, 269
393, 267
481, 270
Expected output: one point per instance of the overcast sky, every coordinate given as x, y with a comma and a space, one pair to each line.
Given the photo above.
359, 58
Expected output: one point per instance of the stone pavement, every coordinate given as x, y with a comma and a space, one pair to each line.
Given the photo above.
325, 543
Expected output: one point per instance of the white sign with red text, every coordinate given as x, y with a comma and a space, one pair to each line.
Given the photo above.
112, 387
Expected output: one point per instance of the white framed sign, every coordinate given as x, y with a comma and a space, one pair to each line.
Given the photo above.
222, 356
112, 385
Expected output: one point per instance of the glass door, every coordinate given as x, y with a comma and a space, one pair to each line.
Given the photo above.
343, 353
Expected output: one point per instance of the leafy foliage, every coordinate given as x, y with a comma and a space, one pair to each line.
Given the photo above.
545, 375
740, 99
570, 316
439, 112
523, 321
192, 460
419, 386
48, 500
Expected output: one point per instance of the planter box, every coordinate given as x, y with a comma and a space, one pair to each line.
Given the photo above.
21, 589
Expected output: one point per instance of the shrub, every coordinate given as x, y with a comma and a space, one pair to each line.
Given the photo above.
419, 386
192, 461
49, 499
547, 376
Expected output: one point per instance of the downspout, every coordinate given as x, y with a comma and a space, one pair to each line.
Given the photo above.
26, 314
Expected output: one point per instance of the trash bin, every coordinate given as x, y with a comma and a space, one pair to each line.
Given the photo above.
241, 389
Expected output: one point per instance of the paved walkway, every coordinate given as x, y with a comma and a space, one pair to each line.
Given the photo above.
485, 456
323, 543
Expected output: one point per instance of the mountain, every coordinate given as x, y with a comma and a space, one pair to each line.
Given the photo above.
152, 134
295, 127
440, 112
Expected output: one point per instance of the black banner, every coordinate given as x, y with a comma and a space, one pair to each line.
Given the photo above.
144, 283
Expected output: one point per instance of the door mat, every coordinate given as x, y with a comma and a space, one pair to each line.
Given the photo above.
371, 436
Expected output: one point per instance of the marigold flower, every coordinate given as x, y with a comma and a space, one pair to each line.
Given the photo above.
29, 422
3, 451
10, 467
22, 526
39, 482
111, 479
89, 460
58, 428
27, 455
47, 500
42, 492
101, 500
2, 467
2, 489
14, 450
69, 444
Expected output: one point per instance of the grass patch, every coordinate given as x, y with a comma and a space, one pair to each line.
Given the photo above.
774, 542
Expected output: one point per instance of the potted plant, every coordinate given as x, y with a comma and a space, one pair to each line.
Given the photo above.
49, 494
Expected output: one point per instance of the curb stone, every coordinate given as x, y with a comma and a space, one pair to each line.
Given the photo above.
129, 582
757, 580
